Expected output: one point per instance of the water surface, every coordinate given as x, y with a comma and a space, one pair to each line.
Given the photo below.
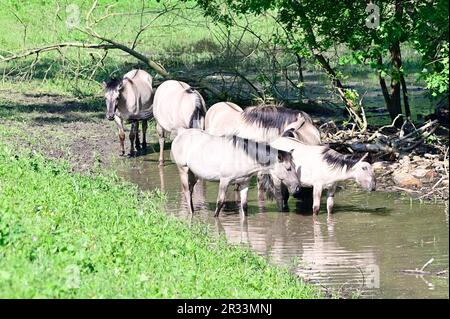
361, 249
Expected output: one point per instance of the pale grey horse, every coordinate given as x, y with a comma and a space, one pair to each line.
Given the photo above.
322, 168
260, 123
177, 105
263, 123
130, 99
228, 160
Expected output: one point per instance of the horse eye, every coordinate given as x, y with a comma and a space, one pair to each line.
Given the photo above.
289, 169
364, 168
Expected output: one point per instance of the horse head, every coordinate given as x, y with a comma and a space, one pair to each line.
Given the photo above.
364, 175
112, 94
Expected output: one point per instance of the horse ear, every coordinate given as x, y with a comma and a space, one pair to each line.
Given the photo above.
120, 86
289, 133
364, 157
104, 84
280, 156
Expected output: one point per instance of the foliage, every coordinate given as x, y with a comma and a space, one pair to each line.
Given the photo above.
65, 235
321, 26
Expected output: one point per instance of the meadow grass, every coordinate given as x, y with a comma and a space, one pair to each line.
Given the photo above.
185, 42
67, 235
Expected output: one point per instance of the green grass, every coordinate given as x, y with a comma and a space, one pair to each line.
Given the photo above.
185, 42
65, 235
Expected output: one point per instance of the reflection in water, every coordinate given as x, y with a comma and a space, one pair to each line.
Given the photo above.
364, 245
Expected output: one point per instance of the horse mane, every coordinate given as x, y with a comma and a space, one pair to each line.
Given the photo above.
258, 151
113, 84
271, 116
338, 161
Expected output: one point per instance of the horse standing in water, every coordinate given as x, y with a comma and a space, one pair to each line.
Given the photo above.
265, 124
322, 168
228, 160
130, 99
177, 105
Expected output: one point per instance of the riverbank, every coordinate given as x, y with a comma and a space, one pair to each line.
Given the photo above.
63, 127
70, 235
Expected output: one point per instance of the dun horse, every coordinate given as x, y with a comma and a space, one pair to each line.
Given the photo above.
263, 123
130, 99
177, 105
322, 168
228, 160
260, 123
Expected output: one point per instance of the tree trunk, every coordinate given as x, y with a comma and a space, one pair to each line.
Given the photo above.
398, 83
300, 74
405, 97
355, 112
395, 107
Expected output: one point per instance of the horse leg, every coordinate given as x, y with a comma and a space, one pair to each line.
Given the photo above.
317, 193
221, 196
144, 134
132, 139
160, 131
237, 196
330, 198
137, 142
284, 198
119, 123
280, 195
260, 188
244, 198
184, 178
192, 179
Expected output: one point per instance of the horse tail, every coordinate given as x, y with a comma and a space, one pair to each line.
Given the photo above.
198, 116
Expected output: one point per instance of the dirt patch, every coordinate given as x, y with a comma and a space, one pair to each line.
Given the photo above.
61, 128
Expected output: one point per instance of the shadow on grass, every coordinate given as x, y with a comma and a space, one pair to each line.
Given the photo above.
50, 109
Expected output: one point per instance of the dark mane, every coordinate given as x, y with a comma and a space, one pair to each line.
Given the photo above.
259, 151
337, 160
272, 116
113, 84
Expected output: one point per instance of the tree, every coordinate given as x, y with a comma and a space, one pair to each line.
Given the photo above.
320, 26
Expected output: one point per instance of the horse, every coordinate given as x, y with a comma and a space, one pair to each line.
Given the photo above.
260, 123
228, 160
177, 105
263, 123
321, 167
130, 99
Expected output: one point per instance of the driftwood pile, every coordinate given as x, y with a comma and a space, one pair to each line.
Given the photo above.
414, 160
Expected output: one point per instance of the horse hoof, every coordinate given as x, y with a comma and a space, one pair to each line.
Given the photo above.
161, 163
131, 154
144, 146
121, 154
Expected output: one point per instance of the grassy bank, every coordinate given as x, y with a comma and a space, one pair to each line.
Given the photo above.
68, 235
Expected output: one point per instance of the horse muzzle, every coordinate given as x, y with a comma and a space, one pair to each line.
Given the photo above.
110, 117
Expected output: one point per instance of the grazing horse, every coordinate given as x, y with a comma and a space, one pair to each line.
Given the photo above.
322, 168
177, 105
229, 160
263, 123
130, 99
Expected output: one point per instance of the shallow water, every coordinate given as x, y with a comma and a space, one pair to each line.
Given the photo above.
361, 249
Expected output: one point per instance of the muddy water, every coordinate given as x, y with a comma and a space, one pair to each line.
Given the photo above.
362, 249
